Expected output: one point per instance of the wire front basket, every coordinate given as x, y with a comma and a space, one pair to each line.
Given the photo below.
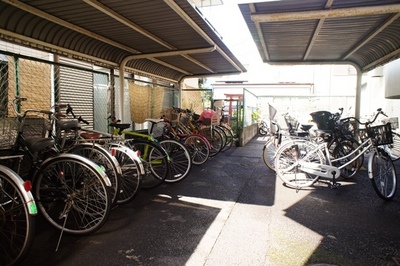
35, 127
382, 135
8, 132
157, 129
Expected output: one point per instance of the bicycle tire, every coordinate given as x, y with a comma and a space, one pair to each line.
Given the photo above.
215, 139
382, 174
73, 194
263, 131
223, 135
199, 148
181, 161
269, 150
102, 157
229, 137
131, 175
155, 161
286, 160
17, 223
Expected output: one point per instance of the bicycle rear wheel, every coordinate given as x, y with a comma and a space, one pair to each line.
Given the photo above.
181, 162
73, 194
289, 157
382, 174
16, 222
155, 161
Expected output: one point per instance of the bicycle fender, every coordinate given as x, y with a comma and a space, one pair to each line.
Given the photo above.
28, 197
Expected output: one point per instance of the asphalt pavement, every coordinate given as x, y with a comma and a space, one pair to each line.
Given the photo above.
232, 210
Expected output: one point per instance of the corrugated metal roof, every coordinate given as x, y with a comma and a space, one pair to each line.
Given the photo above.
170, 38
363, 33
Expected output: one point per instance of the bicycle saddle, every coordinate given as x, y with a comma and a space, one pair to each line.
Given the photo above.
120, 126
69, 125
91, 135
39, 144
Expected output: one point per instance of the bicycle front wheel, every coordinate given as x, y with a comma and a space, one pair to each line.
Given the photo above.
289, 157
181, 162
199, 148
16, 222
131, 177
229, 137
155, 161
382, 174
269, 149
73, 194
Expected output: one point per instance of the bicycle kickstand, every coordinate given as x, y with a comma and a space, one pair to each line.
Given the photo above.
334, 184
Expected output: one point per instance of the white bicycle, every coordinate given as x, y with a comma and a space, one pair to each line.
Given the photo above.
301, 163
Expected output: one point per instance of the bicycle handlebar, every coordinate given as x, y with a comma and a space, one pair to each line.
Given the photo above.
18, 100
380, 112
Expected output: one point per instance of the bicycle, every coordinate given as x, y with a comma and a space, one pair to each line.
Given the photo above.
159, 165
205, 124
301, 163
71, 192
176, 127
122, 165
341, 140
17, 216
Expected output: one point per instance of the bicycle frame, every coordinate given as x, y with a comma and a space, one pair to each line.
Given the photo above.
328, 170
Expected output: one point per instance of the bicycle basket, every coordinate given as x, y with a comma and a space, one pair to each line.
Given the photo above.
171, 115
323, 120
382, 135
8, 132
35, 127
157, 129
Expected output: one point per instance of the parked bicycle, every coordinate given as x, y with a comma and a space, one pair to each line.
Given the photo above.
70, 191
122, 165
159, 165
301, 163
176, 127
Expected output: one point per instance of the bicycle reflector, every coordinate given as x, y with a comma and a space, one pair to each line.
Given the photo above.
27, 185
113, 152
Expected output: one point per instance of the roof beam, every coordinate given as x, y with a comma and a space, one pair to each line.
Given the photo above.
111, 13
260, 34
373, 34
321, 22
66, 24
197, 28
71, 26
331, 13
